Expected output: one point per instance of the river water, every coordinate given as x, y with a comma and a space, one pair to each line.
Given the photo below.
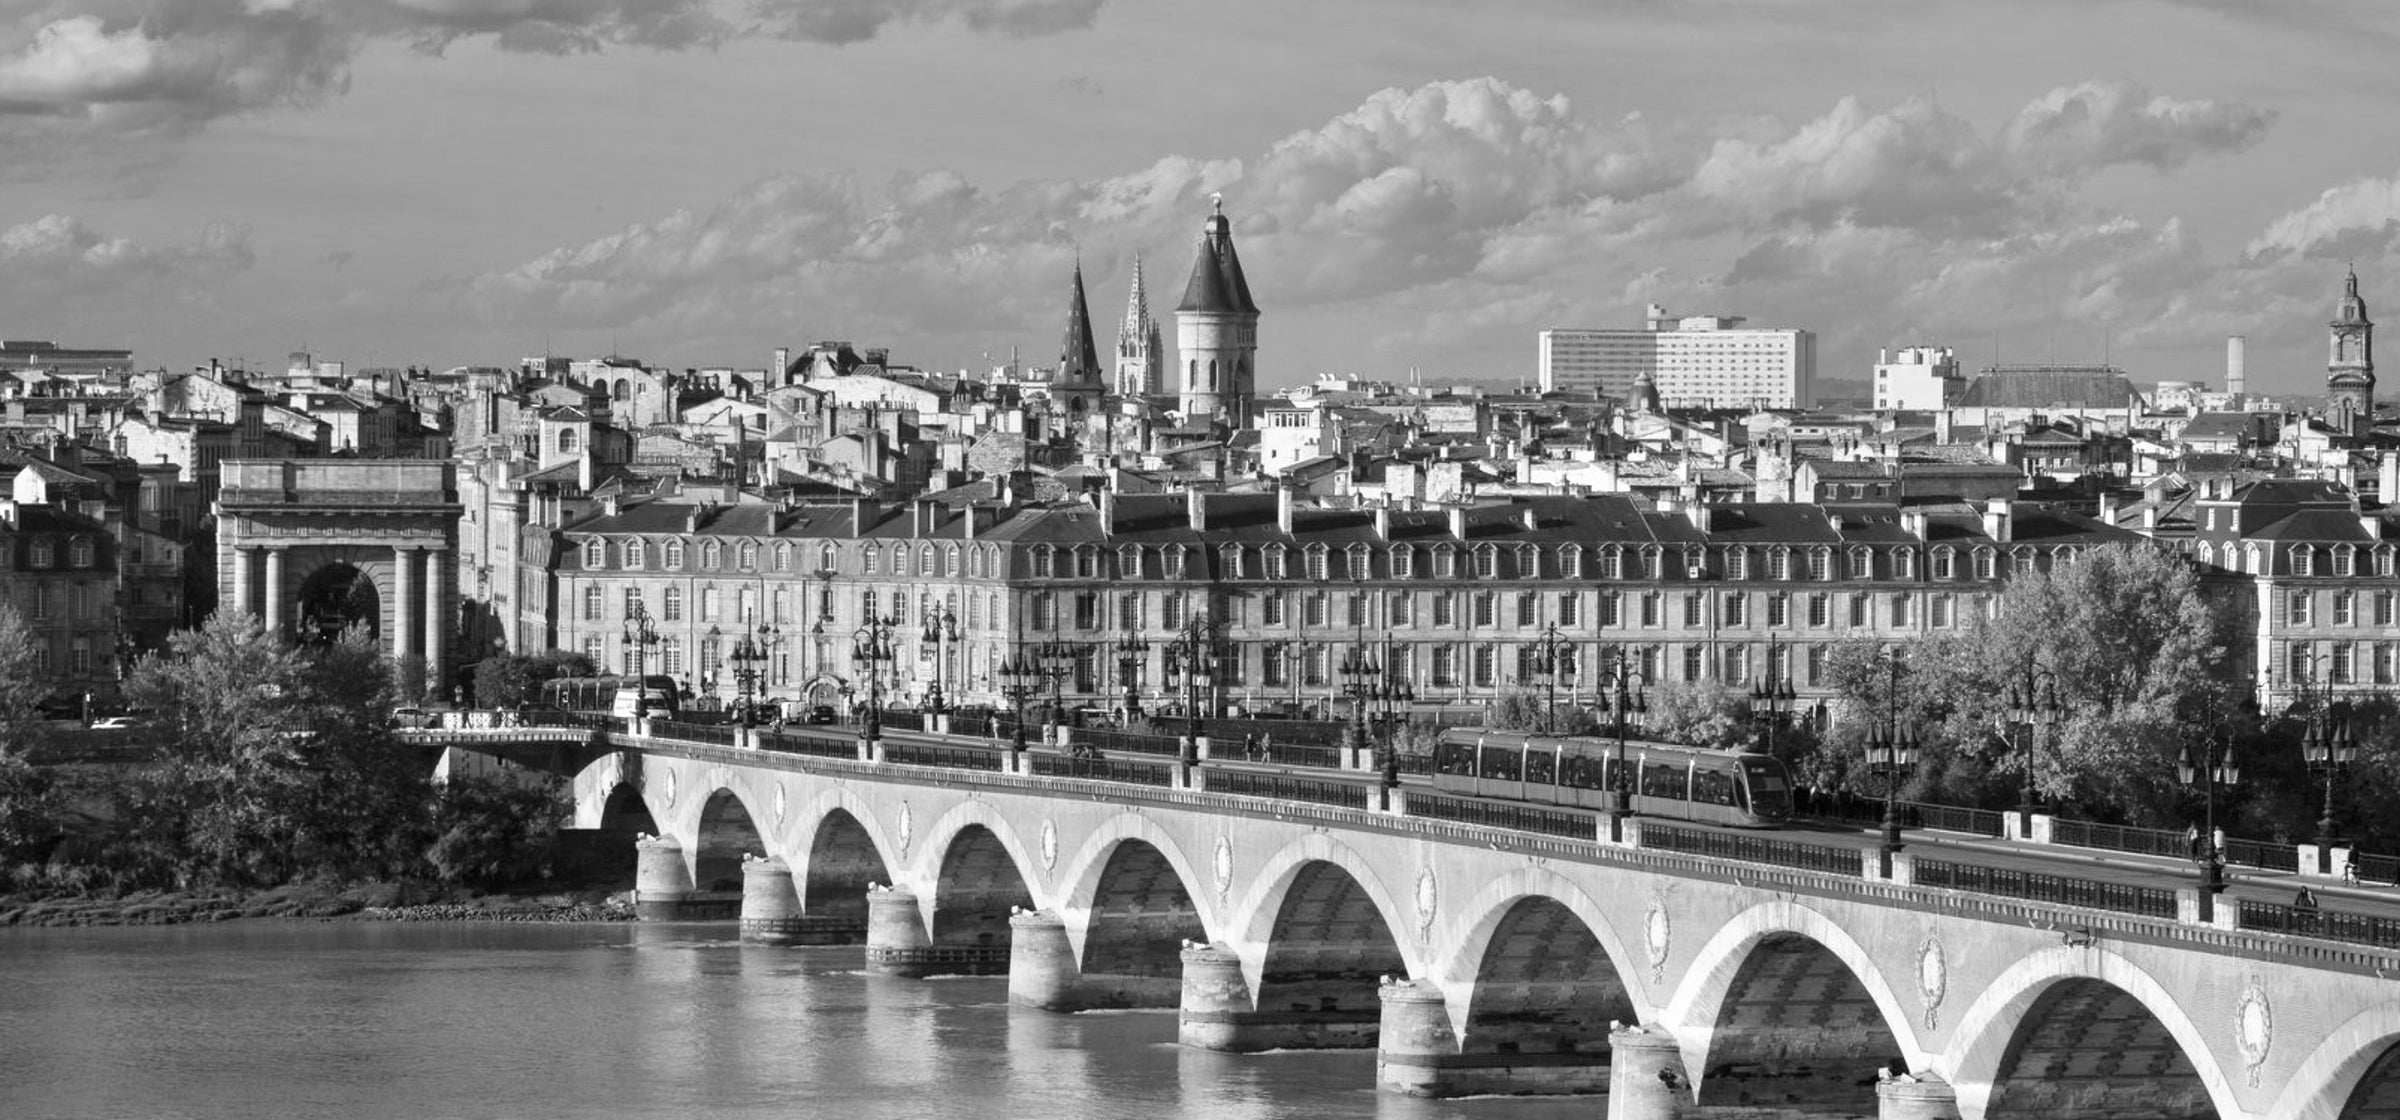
372, 1020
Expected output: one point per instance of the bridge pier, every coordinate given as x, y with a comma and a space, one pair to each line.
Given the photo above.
1418, 1054
897, 944
1218, 1012
662, 881
770, 905
1646, 1078
1919, 1097
1041, 963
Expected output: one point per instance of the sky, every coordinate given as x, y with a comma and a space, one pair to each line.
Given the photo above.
1414, 185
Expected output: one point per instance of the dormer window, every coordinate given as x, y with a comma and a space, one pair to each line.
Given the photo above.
79, 553
950, 565
1654, 563
1570, 562
825, 556
1087, 562
1529, 562
1315, 560
1945, 563
675, 555
1041, 562
1820, 564
1487, 562
2345, 561
1612, 562
43, 554
1904, 563
1445, 562
712, 556
1985, 562
1129, 561
1359, 564
1737, 563
637, 554
1779, 563
1277, 566
595, 555
1404, 562
783, 557
1229, 560
1862, 563
746, 556
2303, 560
1172, 559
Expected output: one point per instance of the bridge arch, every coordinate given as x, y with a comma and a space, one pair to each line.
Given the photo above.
2355, 1072
1085, 872
1129, 909
1785, 990
1321, 931
624, 809
978, 881
1252, 920
835, 845
725, 832
1458, 970
2043, 990
1537, 967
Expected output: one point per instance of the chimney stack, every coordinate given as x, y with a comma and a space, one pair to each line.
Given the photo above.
1195, 510
1383, 523
1458, 522
1283, 509
1998, 518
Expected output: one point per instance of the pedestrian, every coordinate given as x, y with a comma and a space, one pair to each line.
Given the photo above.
2304, 900
1250, 746
2191, 840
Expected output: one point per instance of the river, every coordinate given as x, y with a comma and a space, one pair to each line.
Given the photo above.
262, 1020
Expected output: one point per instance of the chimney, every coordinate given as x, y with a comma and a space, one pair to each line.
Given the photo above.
1941, 426
1998, 513
864, 515
1283, 509
2373, 526
1458, 522
1912, 522
1383, 523
1108, 511
2150, 517
1531, 519
1699, 513
612, 504
1195, 510
2108, 508
692, 515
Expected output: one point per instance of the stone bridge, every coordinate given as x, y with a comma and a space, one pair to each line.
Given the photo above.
1478, 960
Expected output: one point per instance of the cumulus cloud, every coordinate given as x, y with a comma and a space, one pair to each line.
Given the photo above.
58, 262
152, 67
2356, 219
1449, 221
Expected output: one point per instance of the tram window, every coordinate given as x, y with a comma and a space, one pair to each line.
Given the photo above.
1454, 758
1501, 764
1665, 779
1712, 787
1581, 772
1541, 767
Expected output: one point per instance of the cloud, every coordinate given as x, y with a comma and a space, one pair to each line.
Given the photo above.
140, 69
2356, 219
1442, 225
57, 263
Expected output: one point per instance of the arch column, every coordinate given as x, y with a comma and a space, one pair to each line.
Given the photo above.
274, 594
244, 601
404, 605
436, 628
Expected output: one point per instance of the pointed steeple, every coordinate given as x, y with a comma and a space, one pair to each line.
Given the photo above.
1078, 358
1140, 349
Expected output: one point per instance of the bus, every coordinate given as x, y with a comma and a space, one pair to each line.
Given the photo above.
613, 696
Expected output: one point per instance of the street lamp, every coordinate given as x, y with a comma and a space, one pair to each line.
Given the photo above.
941, 628
873, 645
1771, 698
1630, 704
1891, 754
1195, 648
1390, 694
1020, 678
2329, 750
640, 635
1360, 675
2033, 704
1132, 654
2207, 769
749, 652
1549, 657
1056, 657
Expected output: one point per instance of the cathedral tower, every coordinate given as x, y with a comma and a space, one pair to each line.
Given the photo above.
1139, 347
2350, 368
1077, 386
1216, 331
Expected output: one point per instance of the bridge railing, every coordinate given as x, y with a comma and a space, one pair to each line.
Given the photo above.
2271, 856
2368, 868
1127, 742
2121, 838
1750, 848
1248, 783
1103, 769
2035, 886
814, 744
718, 734
1913, 814
1504, 814
957, 758
2308, 921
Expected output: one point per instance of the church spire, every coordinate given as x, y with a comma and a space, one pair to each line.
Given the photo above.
1139, 347
2350, 365
1078, 357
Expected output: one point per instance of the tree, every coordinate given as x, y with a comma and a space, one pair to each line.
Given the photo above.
1695, 714
507, 680
1528, 710
28, 802
491, 833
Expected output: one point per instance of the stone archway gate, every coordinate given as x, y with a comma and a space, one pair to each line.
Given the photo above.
395, 520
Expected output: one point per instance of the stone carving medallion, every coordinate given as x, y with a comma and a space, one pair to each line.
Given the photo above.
1657, 939
1933, 979
908, 827
1049, 845
2254, 1026
669, 785
779, 805
1429, 902
1221, 864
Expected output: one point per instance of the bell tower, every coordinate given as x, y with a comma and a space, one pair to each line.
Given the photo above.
2350, 365
1216, 331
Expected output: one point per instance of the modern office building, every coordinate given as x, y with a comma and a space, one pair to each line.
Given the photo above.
1702, 361
1917, 377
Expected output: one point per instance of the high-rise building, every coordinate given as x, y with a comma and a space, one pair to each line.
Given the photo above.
1917, 377
1705, 361
1139, 347
1216, 330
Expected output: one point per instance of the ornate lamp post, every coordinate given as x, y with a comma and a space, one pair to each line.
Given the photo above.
1390, 694
1549, 659
1360, 675
2033, 704
1195, 648
941, 628
2330, 750
1771, 698
1626, 708
2207, 768
1891, 754
640, 635
1132, 654
749, 652
1019, 680
1057, 657
872, 645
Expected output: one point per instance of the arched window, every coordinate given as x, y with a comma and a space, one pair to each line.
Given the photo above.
636, 554
900, 560
79, 553
825, 557
43, 554
712, 557
783, 557
675, 555
746, 556
566, 441
925, 561
595, 555
950, 568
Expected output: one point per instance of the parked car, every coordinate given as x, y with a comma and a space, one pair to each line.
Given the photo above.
411, 718
822, 713
110, 723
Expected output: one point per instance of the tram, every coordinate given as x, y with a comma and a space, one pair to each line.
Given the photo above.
1669, 780
610, 695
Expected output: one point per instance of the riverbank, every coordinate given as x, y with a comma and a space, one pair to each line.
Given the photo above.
394, 902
